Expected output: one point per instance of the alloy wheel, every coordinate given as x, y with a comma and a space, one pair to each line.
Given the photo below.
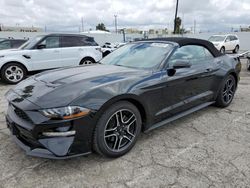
228, 91
14, 73
120, 130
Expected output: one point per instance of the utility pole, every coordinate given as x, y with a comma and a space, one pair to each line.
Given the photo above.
115, 23
194, 26
176, 12
82, 24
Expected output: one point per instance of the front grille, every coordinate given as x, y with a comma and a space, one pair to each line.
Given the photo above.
21, 114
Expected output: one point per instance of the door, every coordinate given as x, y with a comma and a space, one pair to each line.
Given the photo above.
229, 43
70, 51
233, 41
188, 87
49, 56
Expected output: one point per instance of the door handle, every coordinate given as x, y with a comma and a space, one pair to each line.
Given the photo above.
80, 49
57, 51
209, 70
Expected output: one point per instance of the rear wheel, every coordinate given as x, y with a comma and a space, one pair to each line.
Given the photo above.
226, 93
223, 50
12, 73
87, 61
117, 130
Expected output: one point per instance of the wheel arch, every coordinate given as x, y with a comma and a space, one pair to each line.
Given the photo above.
87, 57
235, 77
18, 62
132, 98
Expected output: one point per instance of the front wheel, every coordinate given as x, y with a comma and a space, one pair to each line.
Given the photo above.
236, 49
117, 130
223, 50
13, 73
226, 93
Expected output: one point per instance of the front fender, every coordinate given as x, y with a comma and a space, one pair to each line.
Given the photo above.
5, 60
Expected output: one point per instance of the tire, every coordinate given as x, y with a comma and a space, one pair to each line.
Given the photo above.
248, 64
13, 73
106, 53
236, 49
87, 61
112, 139
226, 95
223, 50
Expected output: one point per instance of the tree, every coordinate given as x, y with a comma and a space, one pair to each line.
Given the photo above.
178, 25
101, 27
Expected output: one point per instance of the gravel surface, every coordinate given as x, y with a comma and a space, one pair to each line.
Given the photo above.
210, 148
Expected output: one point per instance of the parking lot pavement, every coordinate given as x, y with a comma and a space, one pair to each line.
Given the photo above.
210, 148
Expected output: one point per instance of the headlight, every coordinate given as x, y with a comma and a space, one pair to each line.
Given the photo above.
68, 112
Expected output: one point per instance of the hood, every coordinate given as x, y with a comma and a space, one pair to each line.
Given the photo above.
216, 43
10, 51
60, 87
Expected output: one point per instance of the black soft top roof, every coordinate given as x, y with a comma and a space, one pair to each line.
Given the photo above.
183, 41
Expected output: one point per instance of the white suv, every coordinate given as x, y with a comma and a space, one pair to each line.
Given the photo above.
48, 52
226, 43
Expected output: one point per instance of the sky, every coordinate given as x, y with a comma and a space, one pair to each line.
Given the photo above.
66, 15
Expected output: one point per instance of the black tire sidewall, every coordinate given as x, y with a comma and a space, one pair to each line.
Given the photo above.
223, 50
3, 69
220, 102
87, 59
99, 141
236, 49
248, 64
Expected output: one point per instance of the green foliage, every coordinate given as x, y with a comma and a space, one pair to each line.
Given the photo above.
101, 27
178, 25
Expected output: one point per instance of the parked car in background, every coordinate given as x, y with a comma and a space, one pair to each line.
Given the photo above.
107, 48
11, 43
226, 43
104, 107
48, 52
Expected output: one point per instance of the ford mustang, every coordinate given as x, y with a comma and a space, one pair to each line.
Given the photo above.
104, 107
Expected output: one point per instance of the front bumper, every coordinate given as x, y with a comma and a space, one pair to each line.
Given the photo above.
27, 133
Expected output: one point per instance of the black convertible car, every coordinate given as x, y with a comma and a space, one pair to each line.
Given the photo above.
103, 107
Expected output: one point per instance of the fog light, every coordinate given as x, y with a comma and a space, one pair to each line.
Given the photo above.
58, 134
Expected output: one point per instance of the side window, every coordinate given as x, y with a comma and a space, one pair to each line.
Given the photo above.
51, 42
70, 41
194, 53
228, 39
87, 41
208, 54
5, 45
16, 44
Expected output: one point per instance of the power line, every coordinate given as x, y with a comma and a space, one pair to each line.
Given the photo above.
115, 23
82, 24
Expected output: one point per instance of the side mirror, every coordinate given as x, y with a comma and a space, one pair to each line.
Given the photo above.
227, 40
41, 46
180, 64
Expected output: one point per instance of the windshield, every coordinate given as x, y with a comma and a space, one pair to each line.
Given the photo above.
138, 55
217, 38
30, 43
